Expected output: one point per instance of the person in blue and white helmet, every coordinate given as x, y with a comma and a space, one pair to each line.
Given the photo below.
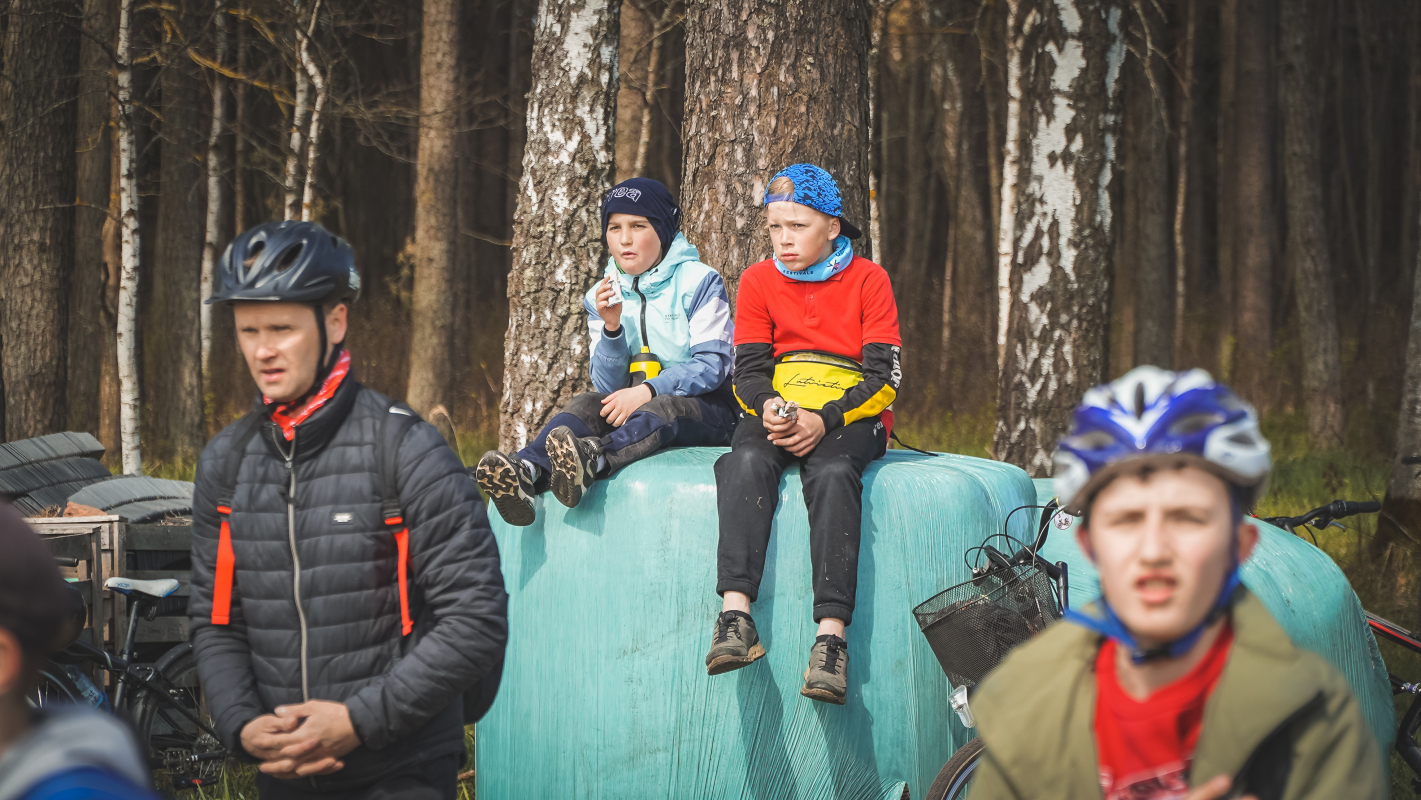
1176, 684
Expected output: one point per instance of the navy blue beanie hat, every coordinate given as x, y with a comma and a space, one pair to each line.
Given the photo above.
645, 197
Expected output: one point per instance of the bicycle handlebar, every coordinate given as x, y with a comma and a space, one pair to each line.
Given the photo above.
66, 562
1337, 509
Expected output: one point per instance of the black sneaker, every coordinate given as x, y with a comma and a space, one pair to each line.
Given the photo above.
827, 677
506, 481
574, 464
734, 644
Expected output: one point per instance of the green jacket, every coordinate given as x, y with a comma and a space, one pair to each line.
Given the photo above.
1281, 721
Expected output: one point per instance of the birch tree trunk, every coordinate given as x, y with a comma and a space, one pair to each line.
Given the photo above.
37, 183
127, 322
1061, 260
1401, 507
211, 241
1307, 252
172, 349
294, 148
769, 84
1018, 29
313, 139
557, 232
88, 333
431, 343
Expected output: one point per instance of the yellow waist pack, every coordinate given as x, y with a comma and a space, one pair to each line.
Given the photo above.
814, 379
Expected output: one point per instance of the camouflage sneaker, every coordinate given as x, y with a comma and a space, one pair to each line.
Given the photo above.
574, 464
507, 482
734, 644
826, 680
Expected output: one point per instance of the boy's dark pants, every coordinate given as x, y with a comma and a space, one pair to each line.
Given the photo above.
748, 489
703, 421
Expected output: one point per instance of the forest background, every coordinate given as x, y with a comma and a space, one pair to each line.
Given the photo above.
1059, 189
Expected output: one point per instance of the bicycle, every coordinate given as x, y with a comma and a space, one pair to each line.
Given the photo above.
162, 701
1323, 517
972, 626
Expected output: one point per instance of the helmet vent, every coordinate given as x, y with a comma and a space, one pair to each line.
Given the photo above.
253, 252
289, 257
1139, 400
1195, 423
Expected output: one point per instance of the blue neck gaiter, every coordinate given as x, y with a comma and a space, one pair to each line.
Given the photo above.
826, 269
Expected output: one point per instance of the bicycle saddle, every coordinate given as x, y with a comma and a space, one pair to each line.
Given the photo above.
154, 589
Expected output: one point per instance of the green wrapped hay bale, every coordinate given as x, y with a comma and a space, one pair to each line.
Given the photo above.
1302, 588
605, 693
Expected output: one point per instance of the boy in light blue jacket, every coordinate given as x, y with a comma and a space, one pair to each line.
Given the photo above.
660, 332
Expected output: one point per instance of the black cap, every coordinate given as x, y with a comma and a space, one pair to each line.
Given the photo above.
34, 600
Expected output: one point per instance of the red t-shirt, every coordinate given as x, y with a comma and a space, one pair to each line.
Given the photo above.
1145, 748
839, 315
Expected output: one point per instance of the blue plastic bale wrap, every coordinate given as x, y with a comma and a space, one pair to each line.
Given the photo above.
1301, 587
605, 693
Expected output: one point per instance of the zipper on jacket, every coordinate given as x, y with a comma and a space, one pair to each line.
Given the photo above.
645, 339
295, 557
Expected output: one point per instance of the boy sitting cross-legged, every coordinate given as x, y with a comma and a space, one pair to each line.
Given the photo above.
1177, 684
661, 334
816, 368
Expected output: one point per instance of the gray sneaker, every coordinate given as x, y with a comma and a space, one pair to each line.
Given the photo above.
827, 678
506, 481
734, 644
574, 463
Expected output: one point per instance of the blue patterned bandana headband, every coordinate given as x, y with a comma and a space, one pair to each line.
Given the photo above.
817, 189
824, 270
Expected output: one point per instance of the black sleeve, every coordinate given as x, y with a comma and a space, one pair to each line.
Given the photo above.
754, 377
455, 565
881, 376
224, 662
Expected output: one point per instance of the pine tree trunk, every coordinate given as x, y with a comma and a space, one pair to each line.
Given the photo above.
557, 232
1061, 263
1252, 207
1226, 190
172, 350
1146, 201
87, 331
769, 84
37, 184
109, 413
431, 343
1307, 253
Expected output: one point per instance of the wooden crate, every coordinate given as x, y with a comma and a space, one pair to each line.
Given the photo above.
107, 540
97, 542
139, 538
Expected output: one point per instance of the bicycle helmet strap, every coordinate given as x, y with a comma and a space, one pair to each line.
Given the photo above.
1110, 625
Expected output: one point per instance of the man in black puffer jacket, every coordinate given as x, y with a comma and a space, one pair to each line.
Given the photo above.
335, 634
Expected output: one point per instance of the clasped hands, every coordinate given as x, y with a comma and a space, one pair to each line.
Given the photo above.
301, 740
799, 435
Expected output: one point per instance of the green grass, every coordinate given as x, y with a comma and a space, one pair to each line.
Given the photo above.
239, 781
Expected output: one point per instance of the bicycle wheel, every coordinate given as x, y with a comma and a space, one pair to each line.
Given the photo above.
55, 688
191, 756
955, 778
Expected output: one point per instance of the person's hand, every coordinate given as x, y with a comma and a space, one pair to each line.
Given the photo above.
1214, 789
264, 736
803, 434
774, 423
323, 735
619, 405
611, 314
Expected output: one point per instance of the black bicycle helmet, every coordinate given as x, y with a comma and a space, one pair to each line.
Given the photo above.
289, 262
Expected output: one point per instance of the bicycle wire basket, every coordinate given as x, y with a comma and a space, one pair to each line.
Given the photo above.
972, 626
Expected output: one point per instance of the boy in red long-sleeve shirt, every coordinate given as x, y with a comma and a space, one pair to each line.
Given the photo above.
816, 370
